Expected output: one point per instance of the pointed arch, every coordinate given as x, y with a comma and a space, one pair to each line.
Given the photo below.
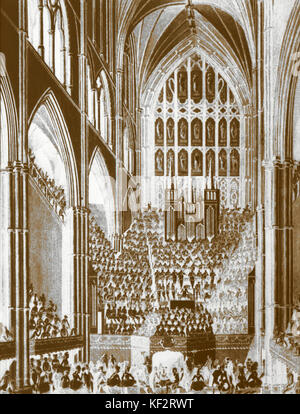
9, 120
62, 141
105, 111
8, 154
286, 85
102, 192
49, 33
236, 80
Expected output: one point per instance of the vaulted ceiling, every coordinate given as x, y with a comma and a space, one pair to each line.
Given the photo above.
158, 26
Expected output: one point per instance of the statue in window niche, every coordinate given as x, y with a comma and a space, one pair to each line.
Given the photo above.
197, 163
182, 132
234, 164
210, 85
197, 133
210, 138
195, 83
234, 133
222, 164
223, 134
159, 162
159, 132
183, 164
182, 90
170, 163
210, 162
170, 131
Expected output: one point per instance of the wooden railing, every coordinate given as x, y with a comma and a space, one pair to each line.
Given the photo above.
42, 346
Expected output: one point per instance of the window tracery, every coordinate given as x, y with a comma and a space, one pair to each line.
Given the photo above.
197, 122
47, 34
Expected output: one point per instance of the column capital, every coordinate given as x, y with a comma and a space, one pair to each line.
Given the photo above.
260, 208
270, 164
288, 163
19, 166
81, 210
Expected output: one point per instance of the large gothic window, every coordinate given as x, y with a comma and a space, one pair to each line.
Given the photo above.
197, 128
47, 34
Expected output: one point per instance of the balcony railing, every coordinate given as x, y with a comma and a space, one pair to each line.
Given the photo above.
42, 346
53, 193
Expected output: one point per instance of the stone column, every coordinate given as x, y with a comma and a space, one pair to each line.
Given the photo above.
18, 221
138, 160
119, 160
147, 180
111, 131
69, 74
256, 142
20, 272
81, 211
95, 115
102, 30
93, 303
272, 282
6, 281
52, 49
41, 47
269, 179
260, 284
285, 244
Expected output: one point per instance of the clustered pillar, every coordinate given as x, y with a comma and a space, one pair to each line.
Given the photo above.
81, 261
18, 229
119, 162
284, 274
18, 224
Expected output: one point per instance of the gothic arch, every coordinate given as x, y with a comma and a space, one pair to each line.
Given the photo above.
179, 108
108, 99
102, 193
9, 120
62, 141
286, 84
188, 48
8, 154
54, 16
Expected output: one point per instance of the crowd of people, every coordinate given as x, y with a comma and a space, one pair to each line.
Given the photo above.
214, 273
44, 323
55, 373
54, 193
184, 322
290, 339
120, 321
150, 272
124, 283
